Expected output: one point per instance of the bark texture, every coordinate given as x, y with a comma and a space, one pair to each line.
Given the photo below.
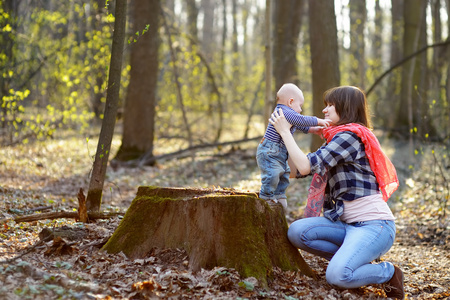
215, 227
139, 110
325, 68
94, 196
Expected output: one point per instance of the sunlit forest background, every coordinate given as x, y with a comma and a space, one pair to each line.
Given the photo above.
197, 82
204, 73
211, 65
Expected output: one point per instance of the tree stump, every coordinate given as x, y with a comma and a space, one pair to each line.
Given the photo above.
216, 227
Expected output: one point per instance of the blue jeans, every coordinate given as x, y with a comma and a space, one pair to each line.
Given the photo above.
350, 248
272, 161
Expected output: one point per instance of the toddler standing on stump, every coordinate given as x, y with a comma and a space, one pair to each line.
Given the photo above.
272, 155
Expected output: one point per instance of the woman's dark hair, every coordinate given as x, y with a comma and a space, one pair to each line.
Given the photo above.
350, 103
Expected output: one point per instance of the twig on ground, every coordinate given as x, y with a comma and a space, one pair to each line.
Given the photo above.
62, 214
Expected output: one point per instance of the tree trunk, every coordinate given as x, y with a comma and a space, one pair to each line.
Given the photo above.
421, 81
178, 81
98, 73
288, 21
215, 227
357, 44
385, 108
377, 33
208, 38
94, 197
413, 12
139, 112
325, 64
437, 70
192, 16
375, 62
447, 82
269, 101
235, 56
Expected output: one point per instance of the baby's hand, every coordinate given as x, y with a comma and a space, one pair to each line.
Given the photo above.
323, 122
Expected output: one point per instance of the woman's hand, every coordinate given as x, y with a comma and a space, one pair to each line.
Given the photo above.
279, 122
316, 130
299, 159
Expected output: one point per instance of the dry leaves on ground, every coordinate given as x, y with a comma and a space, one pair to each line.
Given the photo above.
50, 175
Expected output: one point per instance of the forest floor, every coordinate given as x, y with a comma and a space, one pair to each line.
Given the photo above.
46, 176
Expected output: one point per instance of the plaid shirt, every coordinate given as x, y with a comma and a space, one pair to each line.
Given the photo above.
349, 174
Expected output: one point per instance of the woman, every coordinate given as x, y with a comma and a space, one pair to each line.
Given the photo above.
353, 179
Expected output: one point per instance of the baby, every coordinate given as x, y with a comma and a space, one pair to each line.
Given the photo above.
272, 155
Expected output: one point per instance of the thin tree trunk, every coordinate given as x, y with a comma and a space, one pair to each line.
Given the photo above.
395, 56
192, 12
208, 29
270, 101
422, 80
376, 52
250, 111
235, 55
447, 83
95, 191
437, 69
357, 44
325, 64
223, 52
413, 13
98, 73
177, 81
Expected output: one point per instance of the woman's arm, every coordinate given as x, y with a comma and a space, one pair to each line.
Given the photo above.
296, 155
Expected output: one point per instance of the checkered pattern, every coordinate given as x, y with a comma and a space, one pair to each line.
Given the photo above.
298, 121
349, 174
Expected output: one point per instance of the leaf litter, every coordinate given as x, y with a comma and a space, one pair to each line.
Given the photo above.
47, 175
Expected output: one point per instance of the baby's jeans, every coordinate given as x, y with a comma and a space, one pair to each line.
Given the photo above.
272, 161
350, 248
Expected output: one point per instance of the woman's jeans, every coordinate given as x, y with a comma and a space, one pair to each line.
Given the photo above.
350, 248
272, 161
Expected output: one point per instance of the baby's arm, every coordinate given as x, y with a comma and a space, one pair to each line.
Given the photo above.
299, 120
323, 122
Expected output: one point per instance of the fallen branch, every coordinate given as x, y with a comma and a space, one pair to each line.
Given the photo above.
149, 159
39, 208
62, 214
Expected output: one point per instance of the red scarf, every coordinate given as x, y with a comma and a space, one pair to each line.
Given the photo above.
380, 164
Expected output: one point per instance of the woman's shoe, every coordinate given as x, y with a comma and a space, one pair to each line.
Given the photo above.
394, 287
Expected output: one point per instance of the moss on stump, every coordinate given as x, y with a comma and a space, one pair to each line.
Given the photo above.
216, 228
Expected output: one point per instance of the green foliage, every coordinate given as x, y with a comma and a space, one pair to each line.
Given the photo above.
55, 71
132, 39
54, 68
